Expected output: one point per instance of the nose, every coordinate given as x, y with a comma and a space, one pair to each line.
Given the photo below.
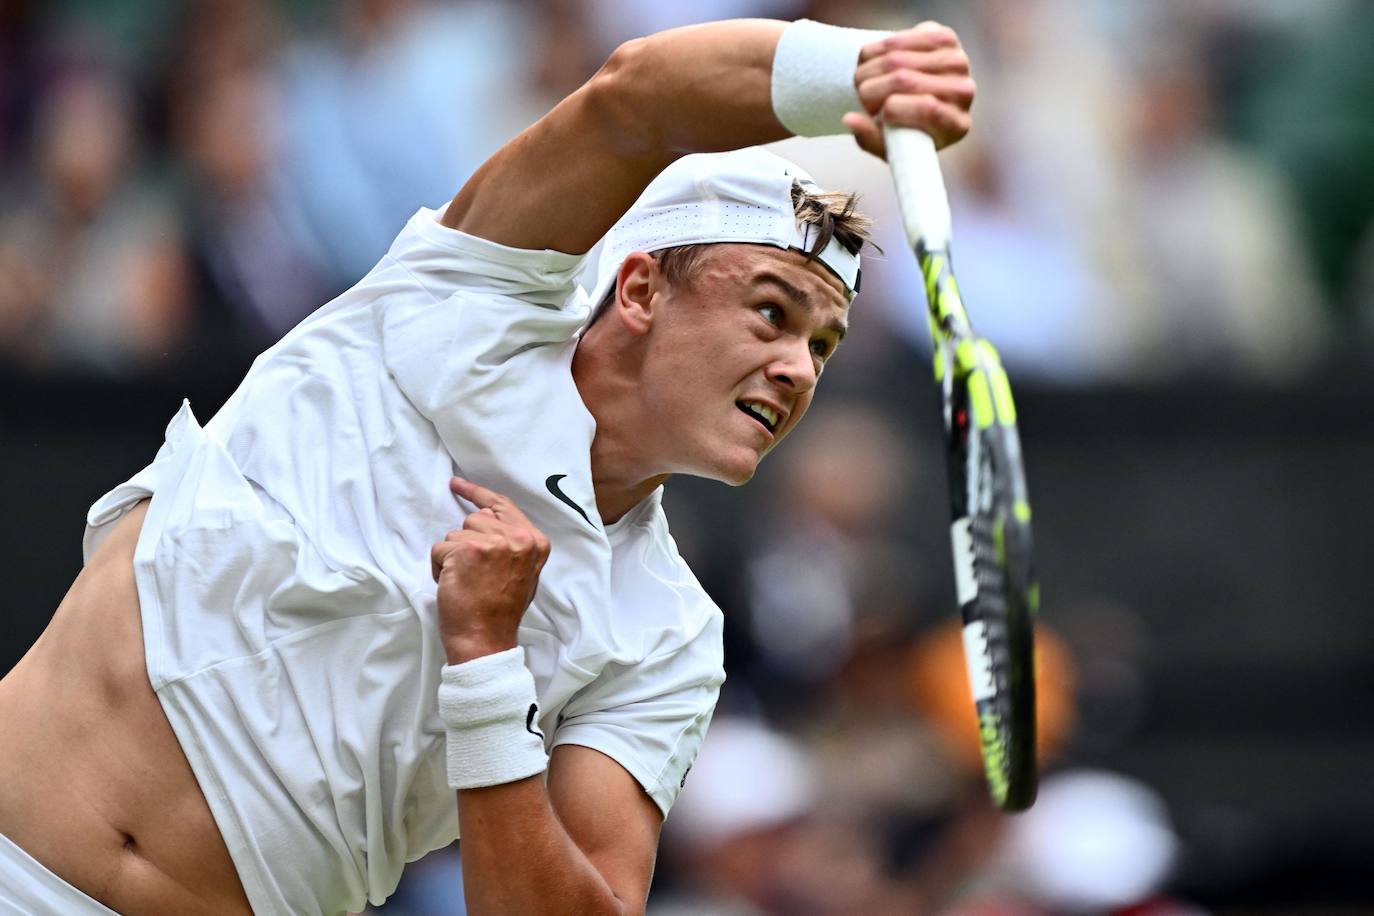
794, 370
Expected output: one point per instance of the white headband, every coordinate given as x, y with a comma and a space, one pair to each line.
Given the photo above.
741, 196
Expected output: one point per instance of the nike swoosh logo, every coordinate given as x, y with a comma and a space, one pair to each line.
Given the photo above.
529, 721
552, 484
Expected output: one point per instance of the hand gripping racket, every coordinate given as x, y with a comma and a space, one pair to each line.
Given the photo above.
991, 533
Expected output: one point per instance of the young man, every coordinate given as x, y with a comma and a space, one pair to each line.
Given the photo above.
235, 706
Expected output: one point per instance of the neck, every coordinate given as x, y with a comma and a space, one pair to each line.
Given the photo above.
616, 496
619, 477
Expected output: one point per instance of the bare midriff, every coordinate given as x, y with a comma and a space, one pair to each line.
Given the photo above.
93, 783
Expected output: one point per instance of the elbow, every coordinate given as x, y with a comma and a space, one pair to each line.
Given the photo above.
616, 98
621, 908
627, 57
599, 904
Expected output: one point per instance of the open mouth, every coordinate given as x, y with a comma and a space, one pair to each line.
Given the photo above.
764, 414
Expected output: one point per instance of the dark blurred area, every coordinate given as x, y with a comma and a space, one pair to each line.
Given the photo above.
1164, 218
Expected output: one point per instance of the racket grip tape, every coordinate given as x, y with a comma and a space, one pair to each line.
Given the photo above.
920, 186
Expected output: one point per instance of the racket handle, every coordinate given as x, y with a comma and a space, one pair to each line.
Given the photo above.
920, 187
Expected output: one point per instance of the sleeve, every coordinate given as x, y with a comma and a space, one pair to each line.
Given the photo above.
651, 717
445, 261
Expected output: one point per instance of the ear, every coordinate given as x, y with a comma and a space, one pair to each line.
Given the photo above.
636, 285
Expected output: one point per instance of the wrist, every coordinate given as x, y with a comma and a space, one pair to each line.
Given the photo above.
813, 77
468, 646
490, 712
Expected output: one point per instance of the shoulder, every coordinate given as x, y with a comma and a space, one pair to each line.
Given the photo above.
446, 260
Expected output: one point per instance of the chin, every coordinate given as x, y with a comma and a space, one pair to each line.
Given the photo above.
734, 470
739, 480
737, 473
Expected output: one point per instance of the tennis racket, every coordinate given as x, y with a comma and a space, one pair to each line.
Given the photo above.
991, 531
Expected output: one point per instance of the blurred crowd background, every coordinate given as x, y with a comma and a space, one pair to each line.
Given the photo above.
1165, 219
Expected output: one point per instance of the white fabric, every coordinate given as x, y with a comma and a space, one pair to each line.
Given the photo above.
748, 779
740, 196
813, 76
29, 889
489, 707
283, 569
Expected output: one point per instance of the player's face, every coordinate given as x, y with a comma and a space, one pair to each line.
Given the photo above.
736, 354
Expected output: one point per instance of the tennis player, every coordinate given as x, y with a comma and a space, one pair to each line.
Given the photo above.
255, 696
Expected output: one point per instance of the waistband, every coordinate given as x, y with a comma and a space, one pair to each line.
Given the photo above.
29, 889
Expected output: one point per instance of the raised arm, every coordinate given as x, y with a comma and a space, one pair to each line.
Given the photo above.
563, 182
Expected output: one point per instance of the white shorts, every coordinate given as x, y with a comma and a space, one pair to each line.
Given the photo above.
29, 889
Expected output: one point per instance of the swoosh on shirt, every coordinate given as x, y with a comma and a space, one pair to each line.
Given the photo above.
552, 484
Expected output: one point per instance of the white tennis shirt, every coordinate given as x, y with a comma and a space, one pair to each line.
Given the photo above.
289, 617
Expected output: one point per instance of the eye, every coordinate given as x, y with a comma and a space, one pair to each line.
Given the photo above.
821, 348
771, 313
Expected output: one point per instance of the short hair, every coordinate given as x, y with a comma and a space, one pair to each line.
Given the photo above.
834, 214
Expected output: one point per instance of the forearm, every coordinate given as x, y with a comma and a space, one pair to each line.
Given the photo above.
519, 856
519, 859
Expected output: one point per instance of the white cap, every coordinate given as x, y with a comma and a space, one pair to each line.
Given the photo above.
740, 196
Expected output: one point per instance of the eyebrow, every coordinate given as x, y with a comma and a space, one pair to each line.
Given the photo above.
800, 299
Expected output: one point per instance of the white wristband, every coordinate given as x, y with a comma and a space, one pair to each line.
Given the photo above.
813, 76
491, 713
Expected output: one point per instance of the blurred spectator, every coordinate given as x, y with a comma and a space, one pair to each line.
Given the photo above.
1052, 107
1095, 842
255, 273
827, 555
749, 835
1028, 285
614, 21
91, 251
432, 886
1112, 652
1229, 280
21, 69
1309, 113
750, 786
253, 262
937, 683
392, 110
1193, 263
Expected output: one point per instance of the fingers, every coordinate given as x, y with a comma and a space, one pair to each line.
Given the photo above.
867, 132
955, 90
476, 494
518, 536
497, 527
924, 36
439, 553
489, 500
945, 123
483, 520
916, 78
948, 61
526, 544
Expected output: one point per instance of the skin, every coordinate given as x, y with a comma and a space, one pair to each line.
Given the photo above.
95, 785
664, 370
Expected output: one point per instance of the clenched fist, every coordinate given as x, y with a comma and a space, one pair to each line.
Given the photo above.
917, 78
487, 572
